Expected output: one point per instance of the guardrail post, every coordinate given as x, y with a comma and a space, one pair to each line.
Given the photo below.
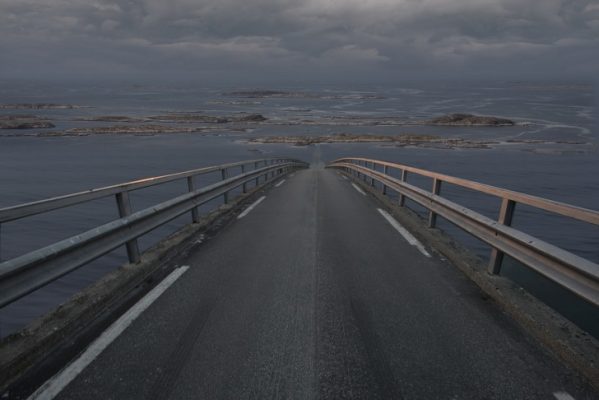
224, 175
386, 172
372, 179
432, 217
195, 212
404, 178
124, 204
244, 187
256, 164
266, 174
506, 212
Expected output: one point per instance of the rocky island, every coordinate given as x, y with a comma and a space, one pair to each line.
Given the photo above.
136, 130
463, 120
469, 120
178, 118
403, 140
111, 118
207, 119
120, 130
24, 122
38, 106
263, 94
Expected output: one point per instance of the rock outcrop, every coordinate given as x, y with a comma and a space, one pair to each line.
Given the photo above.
260, 94
251, 118
183, 118
24, 122
404, 140
110, 118
208, 119
138, 130
263, 94
38, 106
122, 130
469, 120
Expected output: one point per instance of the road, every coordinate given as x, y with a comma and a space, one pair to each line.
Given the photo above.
314, 294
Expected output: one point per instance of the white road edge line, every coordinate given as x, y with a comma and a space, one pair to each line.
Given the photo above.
280, 183
404, 232
251, 207
358, 189
563, 396
53, 386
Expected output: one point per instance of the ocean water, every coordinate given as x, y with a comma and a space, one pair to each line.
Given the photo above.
559, 161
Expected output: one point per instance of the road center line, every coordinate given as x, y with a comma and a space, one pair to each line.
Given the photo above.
358, 189
344, 177
251, 207
280, 183
404, 232
58, 382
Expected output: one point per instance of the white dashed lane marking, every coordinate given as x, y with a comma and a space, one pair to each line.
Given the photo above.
358, 189
251, 207
563, 396
57, 383
404, 232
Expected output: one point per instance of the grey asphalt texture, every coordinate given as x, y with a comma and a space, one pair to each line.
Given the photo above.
313, 295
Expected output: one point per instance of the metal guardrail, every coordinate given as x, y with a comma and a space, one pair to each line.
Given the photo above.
24, 274
577, 274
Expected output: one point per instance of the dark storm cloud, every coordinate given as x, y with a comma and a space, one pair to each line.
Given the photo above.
298, 38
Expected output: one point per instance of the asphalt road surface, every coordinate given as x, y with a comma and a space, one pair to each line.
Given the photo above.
313, 294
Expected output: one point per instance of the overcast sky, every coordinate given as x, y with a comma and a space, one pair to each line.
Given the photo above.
299, 39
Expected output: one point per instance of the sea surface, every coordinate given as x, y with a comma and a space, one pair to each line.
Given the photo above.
552, 152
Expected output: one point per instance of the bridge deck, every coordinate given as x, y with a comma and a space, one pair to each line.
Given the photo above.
313, 294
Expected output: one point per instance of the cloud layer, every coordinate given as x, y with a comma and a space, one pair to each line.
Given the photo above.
300, 39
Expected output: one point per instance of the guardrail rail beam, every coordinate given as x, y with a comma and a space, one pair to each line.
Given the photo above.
578, 275
23, 274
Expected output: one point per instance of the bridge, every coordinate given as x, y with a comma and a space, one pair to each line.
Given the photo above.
308, 282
